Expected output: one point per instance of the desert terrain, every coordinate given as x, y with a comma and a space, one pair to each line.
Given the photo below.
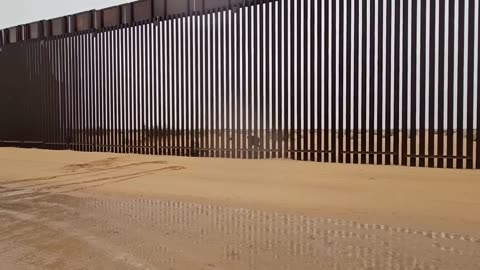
77, 210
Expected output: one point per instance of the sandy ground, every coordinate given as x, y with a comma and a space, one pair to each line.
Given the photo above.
72, 210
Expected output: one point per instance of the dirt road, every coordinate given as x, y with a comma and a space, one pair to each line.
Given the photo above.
70, 210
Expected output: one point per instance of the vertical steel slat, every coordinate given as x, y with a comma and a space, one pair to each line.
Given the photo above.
137, 91
89, 68
49, 88
103, 127
229, 82
3, 99
11, 106
5, 83
19, 92
44, 82
286, 84
143, 89
451, 85
388, 81
85, 89
460, 81
405, 83
88, 101
477, 139
140, 89
117, 89
268, 91
106, 93
341, 80
168, 89
348, 83
150, 63
208, 80
261, 93
97, 90
195, 80
124, 87
326, 88
239, 78
239, 22
380, 88
413, 88
176, 88
432, 89
184, 86
173, 90
81, 91
292, 80
371, 94
23, 92
183, 96
223, 95
93, 86
38, 90
212, 87
29, 86
255, 90
164, 87
78, 91
280, 85
251, 89
422, 78
191, 86
90, 71
313, 88
54, 104
203, 79
74, 92
363, 112
195, 43
275, 88
55, 88
121, 88
210, 84
33, 90
396, 85
156, 77
71, 93
334, 84
441, 84
356, 81
470, 81
131, 88
112, 91
245, 78
299, 91
28, 89
217, 126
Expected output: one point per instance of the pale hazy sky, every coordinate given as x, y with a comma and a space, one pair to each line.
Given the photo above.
15, 12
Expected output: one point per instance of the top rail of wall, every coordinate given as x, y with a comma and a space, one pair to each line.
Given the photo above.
124, 14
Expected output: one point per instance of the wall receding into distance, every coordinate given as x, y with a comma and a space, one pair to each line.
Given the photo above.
371, 81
